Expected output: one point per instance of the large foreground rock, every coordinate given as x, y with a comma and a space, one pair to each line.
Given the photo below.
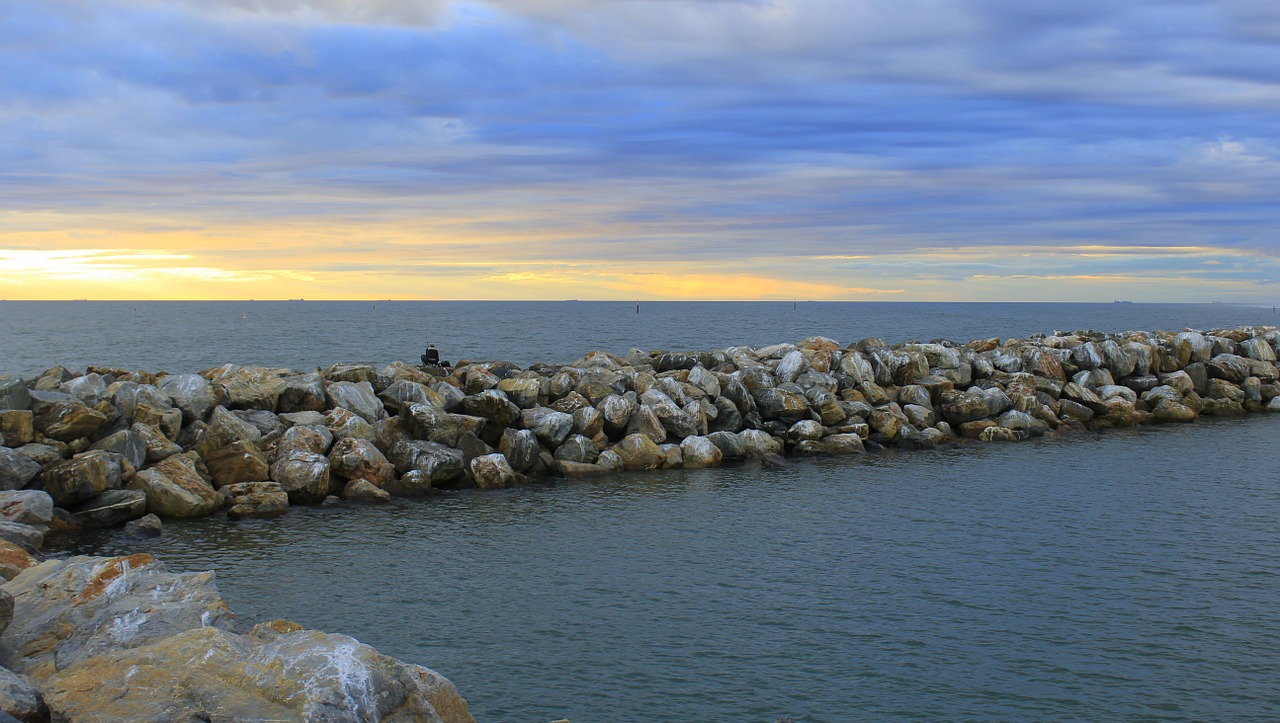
212, 674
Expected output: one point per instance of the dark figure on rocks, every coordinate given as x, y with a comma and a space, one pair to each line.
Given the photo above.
431, 357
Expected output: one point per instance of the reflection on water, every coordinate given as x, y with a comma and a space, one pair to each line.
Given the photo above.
1125, 575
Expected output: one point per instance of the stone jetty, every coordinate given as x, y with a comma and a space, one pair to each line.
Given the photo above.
107, 447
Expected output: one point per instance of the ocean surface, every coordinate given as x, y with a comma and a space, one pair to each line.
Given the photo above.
1130, 575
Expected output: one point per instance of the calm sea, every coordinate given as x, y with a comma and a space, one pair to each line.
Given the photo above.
1122, 576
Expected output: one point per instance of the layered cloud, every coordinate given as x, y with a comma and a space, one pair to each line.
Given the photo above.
986, 149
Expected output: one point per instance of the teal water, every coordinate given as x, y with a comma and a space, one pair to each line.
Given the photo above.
1123, 576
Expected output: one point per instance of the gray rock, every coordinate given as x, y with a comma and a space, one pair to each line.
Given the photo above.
29, 507
16, 469
644, 420
616, 410
401, 393
434, 424
301, 419
223, 429
305, 438
438, 462
302, 475
127, 444
362, 490
577, 448
493, 471
82, 477
303, 393
19, 699
344, 423
13, 393
28, 536
243, 387
191, 393
111, 508
90, 389
520, 447
129, 396
157, 445
414, 483
550, 427
352, 458
729, 444
758, 443
779, 403
700, 453
357, 398
144, 527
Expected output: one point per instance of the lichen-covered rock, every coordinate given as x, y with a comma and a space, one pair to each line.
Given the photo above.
111, 508
125, 443
353, 458
357, 398
290, 675
175, 488
303, 393
303, 475
240, 461
520, 447
70, 610
255, 499
549, 426
644, 420
673, 418
960, 407
237, 387
68, 420
225, 428
17, 427
493, 471
14, 559
699, 453
1168, 410
639, 452
780, 403
16, 469
82, 477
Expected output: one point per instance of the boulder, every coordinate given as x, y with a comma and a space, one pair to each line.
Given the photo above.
167, 419
1229, 367
549, 426
638, 451
125, 443
779, 403
70, 610
277, 672
16, 469
758, 443
357, 398
110, 509
19, 699
156, 444
68, 420
302, 475
522, 391
255, 499
237, 387
309, 438
14, 559
729, 444
144, 527
301, 419
700, 452
303, 393
13, 393
1168, 410
29, 536
1001, 434
414, 483
520, 447
343, 423
402, 393
616, 411
354, 373
960, 407
191, 393
438, 462
29, 507
353, 458
17, 427
494, 406
431, 423
175, 488
669, 414
493, 471
89, 389
240, 461
128, 396
362, 490
577, 448
82, 477
225, 428
644, 420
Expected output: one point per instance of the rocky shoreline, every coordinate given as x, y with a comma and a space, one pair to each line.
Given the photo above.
107, 447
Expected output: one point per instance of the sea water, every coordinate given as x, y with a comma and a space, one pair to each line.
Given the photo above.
1125, 575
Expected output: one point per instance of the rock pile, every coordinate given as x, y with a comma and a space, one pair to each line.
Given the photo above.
108, 445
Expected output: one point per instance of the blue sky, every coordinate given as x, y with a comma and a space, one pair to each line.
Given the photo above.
910, 150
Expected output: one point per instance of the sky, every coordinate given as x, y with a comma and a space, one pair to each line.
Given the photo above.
912, 150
